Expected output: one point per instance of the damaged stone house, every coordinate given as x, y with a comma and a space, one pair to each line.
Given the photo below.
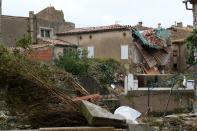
164, 51
42, 27
118, 42
113, 41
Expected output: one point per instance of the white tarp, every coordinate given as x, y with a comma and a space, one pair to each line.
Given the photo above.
128, 113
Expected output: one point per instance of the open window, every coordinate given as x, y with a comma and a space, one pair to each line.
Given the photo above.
46, 32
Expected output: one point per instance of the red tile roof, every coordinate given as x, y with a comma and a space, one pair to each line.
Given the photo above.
96, 29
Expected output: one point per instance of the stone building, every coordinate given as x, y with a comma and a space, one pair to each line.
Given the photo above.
179, 52
48, 49
113, 41
45, 23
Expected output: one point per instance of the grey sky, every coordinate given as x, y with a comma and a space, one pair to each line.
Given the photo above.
105, 12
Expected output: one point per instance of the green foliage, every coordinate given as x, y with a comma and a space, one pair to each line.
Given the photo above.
191, 46
72, 62
103, 70
24, 43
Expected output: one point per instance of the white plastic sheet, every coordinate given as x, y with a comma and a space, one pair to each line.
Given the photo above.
128, 113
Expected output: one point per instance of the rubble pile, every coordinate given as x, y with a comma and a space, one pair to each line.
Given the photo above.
153, 40
155, 47
186, 122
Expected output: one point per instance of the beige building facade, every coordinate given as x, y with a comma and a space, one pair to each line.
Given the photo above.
114, 41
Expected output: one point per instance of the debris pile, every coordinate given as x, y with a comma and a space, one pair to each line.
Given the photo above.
32, 94
186, 122
155, 48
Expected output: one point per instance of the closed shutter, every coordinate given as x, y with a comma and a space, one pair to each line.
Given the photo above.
124, 52
90, 52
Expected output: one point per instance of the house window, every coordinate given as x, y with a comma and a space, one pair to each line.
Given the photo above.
46, 32
175, 65
90, 52
69, 51
124, 52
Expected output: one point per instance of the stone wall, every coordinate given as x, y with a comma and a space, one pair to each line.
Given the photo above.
13, 29
179, 100
44, 54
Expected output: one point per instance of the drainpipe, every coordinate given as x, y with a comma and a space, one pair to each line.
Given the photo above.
194, 10
32, 25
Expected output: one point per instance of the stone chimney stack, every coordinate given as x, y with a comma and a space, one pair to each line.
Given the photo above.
32, 27
179, 24
140, 23
159, 25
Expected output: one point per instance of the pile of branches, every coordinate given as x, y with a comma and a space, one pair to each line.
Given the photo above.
32, 92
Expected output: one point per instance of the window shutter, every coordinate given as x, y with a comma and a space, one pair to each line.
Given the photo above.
124, 52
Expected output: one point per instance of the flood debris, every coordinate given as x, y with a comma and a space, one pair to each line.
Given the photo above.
33, 93
183, 122
128, 113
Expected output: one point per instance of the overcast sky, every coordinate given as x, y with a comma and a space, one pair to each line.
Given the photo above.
105, 12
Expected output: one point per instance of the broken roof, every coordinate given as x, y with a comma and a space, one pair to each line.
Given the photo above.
141, 27
153, 46
152, 38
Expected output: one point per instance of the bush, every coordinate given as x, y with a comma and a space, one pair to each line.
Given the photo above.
191, 47
72, 63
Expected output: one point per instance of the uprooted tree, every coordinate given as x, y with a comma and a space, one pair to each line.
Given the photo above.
32, 92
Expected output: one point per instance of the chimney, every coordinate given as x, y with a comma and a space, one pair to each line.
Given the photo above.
159, 25
32, 27
179, 24
140, 23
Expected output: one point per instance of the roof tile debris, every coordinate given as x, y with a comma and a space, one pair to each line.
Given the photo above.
154, 40
153, 46
150, 61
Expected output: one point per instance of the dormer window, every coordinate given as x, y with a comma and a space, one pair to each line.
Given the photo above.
46, 32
